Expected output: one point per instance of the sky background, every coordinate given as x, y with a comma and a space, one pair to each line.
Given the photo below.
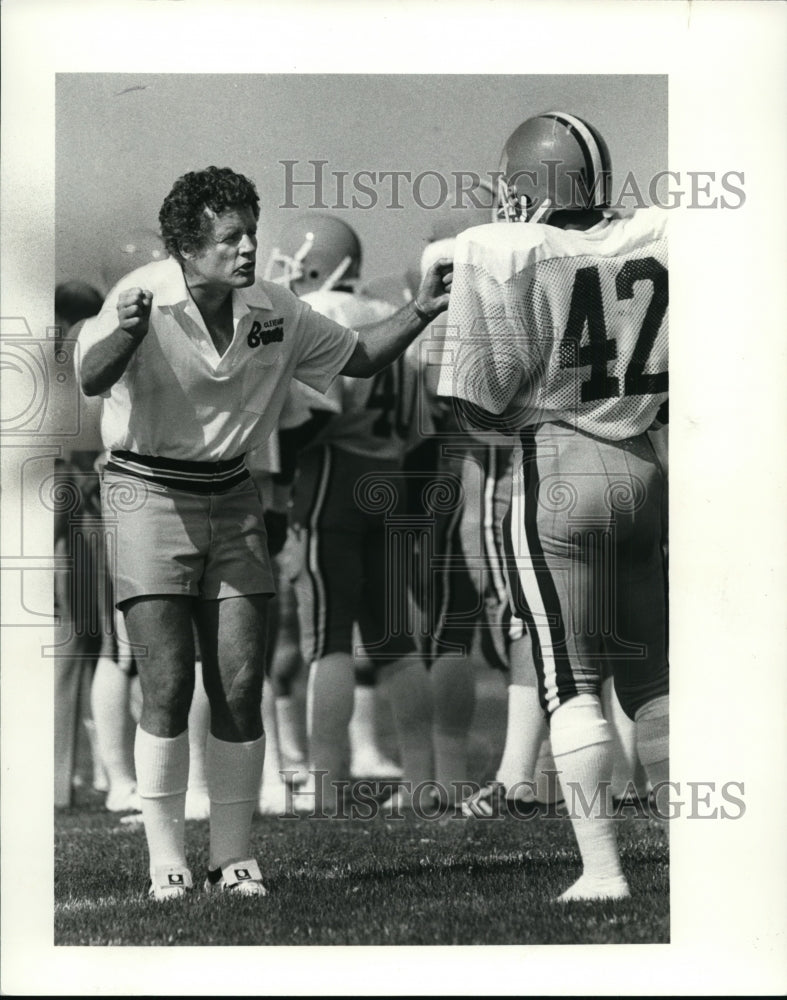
119, 147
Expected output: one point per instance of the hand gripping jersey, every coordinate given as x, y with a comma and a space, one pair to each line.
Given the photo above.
546, 324
377, 416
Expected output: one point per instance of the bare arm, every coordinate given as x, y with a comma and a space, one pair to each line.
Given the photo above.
105, 361
381, 343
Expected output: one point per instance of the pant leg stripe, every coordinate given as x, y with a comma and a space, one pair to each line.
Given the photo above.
493, 555
520, 605
537, 584
313, 558
452, 547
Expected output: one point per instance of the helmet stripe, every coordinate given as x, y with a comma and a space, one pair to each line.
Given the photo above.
589, 147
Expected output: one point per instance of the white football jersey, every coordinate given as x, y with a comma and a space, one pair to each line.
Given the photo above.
546, 324
377, 416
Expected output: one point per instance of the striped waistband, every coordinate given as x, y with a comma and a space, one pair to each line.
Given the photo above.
192, 477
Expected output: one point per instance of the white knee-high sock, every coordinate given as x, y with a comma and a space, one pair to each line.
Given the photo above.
453, 691
545, 778
624, 748
234, 772
114, 727
289, 725
67, 676
407, 684
363, 723
199, 726
162, 766
331, 691
652, 723
582, 748
526, 730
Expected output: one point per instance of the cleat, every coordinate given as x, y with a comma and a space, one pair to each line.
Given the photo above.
402, 800
132, 820
587, 888
169, 882
241, 877
126, 800
491, 801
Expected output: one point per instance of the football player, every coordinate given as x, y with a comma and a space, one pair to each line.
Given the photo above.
474, 593
557, 333
346, 573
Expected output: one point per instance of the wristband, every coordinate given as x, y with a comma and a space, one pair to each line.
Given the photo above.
425, 316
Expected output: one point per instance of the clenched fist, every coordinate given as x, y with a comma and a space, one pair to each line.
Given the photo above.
134, 311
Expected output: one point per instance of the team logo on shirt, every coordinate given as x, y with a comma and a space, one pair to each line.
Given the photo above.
269, 332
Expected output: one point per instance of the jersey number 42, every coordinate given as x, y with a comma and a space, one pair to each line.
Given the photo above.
587, 308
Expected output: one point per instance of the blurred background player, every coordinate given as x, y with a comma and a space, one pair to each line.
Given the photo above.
557, 332
472, 595
344, 573
92, 675
321, 253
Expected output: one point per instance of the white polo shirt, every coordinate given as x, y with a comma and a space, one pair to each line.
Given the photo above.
179, 399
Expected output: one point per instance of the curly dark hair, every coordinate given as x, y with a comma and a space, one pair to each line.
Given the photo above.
182, 217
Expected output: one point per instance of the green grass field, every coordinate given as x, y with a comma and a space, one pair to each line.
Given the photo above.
405, 881
363, 882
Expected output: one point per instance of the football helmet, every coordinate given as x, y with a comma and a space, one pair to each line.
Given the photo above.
315, 252
553, 162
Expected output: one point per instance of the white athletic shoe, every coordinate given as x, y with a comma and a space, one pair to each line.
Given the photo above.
588, 888
371, 764
492, 800
123, 800
402, 800
241, 877
169, 882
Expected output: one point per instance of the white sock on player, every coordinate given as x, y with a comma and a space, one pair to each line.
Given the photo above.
652, 723
329, 710
114, 730
162, 765
197, 800
526, 729
627, 775
407, 685
453, 691
289, 728
234, 773
582, 748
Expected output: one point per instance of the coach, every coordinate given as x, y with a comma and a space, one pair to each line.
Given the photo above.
194, 358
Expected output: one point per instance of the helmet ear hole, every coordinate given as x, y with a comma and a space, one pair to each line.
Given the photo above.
320, 250
555, 161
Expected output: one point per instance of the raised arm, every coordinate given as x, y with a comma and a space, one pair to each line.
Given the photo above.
105, 360
383, 342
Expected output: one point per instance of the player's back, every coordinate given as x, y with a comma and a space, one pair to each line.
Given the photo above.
377, 416
563, 325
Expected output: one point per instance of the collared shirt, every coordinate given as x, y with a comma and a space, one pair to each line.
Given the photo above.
178, 398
